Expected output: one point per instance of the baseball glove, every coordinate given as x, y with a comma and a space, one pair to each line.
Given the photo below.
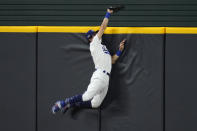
116, 8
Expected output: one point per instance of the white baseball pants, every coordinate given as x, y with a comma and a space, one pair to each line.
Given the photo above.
97, 89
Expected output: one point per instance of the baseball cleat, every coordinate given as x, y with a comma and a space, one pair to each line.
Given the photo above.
59, 105
66, 107
64, 110
55, 109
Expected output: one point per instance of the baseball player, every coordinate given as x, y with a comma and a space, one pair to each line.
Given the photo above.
97, 89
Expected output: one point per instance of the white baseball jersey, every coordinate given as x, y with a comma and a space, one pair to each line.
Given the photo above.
100, 54
98, 87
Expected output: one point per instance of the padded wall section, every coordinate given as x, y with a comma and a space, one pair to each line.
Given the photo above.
17, 81
181, 83
65, 68
134, 99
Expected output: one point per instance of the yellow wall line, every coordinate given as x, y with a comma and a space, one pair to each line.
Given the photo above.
181, 30
29, 29
109, 30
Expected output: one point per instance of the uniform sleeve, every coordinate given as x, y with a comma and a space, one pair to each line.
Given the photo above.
96, 39
94, 45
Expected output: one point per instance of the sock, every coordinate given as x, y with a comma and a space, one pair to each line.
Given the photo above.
75, 99
84, 104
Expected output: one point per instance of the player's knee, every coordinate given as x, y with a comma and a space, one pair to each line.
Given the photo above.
96, 104
86, 97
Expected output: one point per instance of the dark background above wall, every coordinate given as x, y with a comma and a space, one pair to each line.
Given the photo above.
90, 13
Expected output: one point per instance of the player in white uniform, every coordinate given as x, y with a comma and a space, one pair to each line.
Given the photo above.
97, 89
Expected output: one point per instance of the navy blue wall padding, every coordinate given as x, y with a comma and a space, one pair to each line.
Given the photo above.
65, 68
134, 99
181, 82
17, 81
36, 70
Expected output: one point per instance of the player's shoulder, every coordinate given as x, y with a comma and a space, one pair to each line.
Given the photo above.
96, 38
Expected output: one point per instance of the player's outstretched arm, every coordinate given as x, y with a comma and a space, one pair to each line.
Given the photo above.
118, 53
104, 23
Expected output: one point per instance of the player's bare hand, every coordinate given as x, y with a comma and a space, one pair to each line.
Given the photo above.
121, 47
109, 11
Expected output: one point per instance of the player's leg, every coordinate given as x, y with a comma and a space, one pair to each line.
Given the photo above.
98, 99
95, 87
95, 102
65, 104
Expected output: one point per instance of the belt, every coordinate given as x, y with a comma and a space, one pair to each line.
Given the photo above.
105, 72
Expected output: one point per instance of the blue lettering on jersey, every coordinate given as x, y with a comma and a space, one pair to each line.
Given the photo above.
105, 50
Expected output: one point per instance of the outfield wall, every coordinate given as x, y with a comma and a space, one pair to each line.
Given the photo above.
152, 86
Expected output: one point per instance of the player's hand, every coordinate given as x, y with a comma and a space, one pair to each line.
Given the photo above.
110, 11
121, 47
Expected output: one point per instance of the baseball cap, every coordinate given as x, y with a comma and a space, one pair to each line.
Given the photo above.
89, 34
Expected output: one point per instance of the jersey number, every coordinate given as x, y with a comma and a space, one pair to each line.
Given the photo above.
105, 50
